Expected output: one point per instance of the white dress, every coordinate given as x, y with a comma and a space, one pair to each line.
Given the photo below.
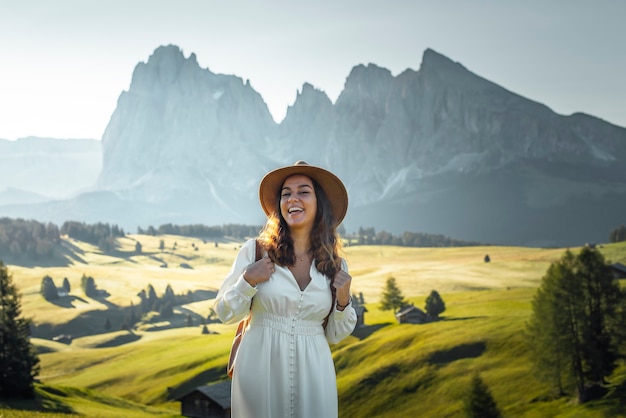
284, 366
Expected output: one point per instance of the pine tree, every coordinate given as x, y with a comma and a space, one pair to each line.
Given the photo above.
132, 318
143, 306
603, 298
392, 296
167, 310
89, 286
546, 342
575, 329
66, 285
19, 364
153, 299
479, 402
48, 289
434, 304
169, 296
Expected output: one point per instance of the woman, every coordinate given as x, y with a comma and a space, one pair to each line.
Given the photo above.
297, 295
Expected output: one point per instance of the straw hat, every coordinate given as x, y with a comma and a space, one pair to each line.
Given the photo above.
271, 184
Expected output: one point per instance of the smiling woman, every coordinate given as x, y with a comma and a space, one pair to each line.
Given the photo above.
298, 204
295, 298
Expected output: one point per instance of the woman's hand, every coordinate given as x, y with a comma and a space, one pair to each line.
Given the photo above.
341, 283
259, 271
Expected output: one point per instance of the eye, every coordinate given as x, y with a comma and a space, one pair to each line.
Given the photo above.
285, 194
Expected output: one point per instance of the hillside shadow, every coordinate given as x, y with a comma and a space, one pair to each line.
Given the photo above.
103, 300
87, 323
206, 377
44, 401
464, 318
63, 254
365, 331
72, 252
460, 352
179, 319
67, 301
120, 340
185, 312
57, 260
199, 295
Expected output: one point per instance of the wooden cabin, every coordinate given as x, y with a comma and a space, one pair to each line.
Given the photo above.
210, 401
411, 314
357, 304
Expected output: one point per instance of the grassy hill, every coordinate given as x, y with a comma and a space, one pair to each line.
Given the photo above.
384, 369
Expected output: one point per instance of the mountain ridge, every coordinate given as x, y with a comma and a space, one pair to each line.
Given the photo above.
433, 150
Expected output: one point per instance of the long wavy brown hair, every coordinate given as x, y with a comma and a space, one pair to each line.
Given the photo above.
325, 243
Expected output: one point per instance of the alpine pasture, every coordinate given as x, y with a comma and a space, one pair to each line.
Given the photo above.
384, 370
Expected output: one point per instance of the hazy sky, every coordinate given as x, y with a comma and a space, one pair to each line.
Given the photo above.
64, 63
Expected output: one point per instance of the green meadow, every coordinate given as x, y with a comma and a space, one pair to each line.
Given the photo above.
384, 369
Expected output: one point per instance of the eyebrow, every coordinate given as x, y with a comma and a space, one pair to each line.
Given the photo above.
297, 187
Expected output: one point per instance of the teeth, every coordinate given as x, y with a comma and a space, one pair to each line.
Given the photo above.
295, 210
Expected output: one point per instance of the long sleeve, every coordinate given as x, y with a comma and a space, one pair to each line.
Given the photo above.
233, 300
341, 323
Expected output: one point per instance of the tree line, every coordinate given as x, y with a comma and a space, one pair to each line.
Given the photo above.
19, 237
102, 235
364, 236
236, 231
369, 236
30, 238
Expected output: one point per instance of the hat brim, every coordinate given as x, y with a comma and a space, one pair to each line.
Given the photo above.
336, 192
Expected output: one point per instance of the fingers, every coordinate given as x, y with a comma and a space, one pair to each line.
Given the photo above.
264, 268
269, 266
342, 279
341, 283
259, 271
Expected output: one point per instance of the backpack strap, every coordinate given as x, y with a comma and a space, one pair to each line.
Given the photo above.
243, 324
258, 251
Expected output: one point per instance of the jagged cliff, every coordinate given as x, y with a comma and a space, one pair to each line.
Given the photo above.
437, 150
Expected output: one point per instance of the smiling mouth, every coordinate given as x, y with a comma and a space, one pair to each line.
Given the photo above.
295, 210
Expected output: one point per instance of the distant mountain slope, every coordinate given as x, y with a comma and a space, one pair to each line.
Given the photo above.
50, 168
437, 150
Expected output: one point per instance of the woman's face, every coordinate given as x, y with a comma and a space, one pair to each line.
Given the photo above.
298, 202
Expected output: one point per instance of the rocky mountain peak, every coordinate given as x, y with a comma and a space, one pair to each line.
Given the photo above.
434, 61
437, 150
309, 98
173, 116
366, 83
163, 66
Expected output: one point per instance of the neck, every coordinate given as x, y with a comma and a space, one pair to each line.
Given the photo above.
301, 243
